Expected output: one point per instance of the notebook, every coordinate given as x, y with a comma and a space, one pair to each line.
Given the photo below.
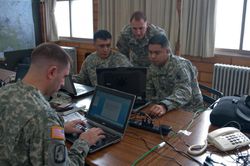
110, 110
128, 79
75, 89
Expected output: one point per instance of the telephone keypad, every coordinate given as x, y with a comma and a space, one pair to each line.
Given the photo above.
236, 138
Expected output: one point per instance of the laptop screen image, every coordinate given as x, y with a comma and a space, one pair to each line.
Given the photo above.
110, 108
128, 79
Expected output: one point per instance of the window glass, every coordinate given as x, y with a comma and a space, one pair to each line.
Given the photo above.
228, 24
82, 19
62, 18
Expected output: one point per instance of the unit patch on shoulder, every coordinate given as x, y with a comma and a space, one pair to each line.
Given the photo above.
57, 132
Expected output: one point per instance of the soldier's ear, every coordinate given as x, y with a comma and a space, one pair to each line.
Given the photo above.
52, 72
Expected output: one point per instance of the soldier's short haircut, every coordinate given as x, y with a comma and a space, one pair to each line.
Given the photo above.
159, 39
102, 34
138, 15
50, 52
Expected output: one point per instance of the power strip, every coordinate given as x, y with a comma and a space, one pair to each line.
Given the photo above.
162, 129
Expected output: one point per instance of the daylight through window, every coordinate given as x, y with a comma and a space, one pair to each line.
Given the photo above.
233, 25
74, 18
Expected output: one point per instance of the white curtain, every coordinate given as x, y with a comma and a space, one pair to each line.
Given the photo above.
51, 29
114, 14
163, 13
197, 29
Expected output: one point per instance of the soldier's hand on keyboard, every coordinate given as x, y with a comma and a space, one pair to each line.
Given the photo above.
92, 135
72, 126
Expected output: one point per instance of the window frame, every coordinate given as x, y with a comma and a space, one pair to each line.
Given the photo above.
75, 39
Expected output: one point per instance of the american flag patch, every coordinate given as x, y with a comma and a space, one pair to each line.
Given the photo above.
57, 132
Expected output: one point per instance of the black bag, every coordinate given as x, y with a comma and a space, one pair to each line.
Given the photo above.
231, 109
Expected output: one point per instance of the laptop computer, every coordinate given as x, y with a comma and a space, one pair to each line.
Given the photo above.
128, 79
109, 110
75, 89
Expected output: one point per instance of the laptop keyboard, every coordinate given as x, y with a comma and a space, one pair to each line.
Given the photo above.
108, 139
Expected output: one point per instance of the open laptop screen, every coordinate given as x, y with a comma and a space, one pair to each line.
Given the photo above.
21, 71
110, 108
128, 79
13, 58
75, 89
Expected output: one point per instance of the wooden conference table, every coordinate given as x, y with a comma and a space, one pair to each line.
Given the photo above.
135, 142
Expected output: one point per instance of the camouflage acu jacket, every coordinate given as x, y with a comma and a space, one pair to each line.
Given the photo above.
137, 50
87, 73
174, 84
31, 133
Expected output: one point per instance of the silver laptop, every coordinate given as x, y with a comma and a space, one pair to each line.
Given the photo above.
110, 110
75, 89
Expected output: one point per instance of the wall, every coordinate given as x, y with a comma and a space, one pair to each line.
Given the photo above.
19, 25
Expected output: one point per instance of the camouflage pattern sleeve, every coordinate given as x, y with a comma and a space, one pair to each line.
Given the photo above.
150, 89
83, 77
57, 153
197, 101
171, 84
31, 131
182, 91
119, 60
123, 41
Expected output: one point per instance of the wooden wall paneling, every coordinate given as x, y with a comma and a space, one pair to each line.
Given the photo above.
242, 61
206, 77
203, 66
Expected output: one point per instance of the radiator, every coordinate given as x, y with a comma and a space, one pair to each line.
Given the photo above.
231, 80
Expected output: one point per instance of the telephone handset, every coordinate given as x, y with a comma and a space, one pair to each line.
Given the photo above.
227, 138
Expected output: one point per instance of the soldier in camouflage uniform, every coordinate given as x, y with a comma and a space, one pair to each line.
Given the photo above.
172, 80
104, 57
31, 133
133, 40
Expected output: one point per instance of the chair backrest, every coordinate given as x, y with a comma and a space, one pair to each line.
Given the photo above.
209, 95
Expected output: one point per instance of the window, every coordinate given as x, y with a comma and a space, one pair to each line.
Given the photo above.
233, 25
74, 18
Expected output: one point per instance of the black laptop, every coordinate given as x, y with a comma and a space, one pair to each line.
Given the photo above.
110, 110
128, 79
75, 89
21, 71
